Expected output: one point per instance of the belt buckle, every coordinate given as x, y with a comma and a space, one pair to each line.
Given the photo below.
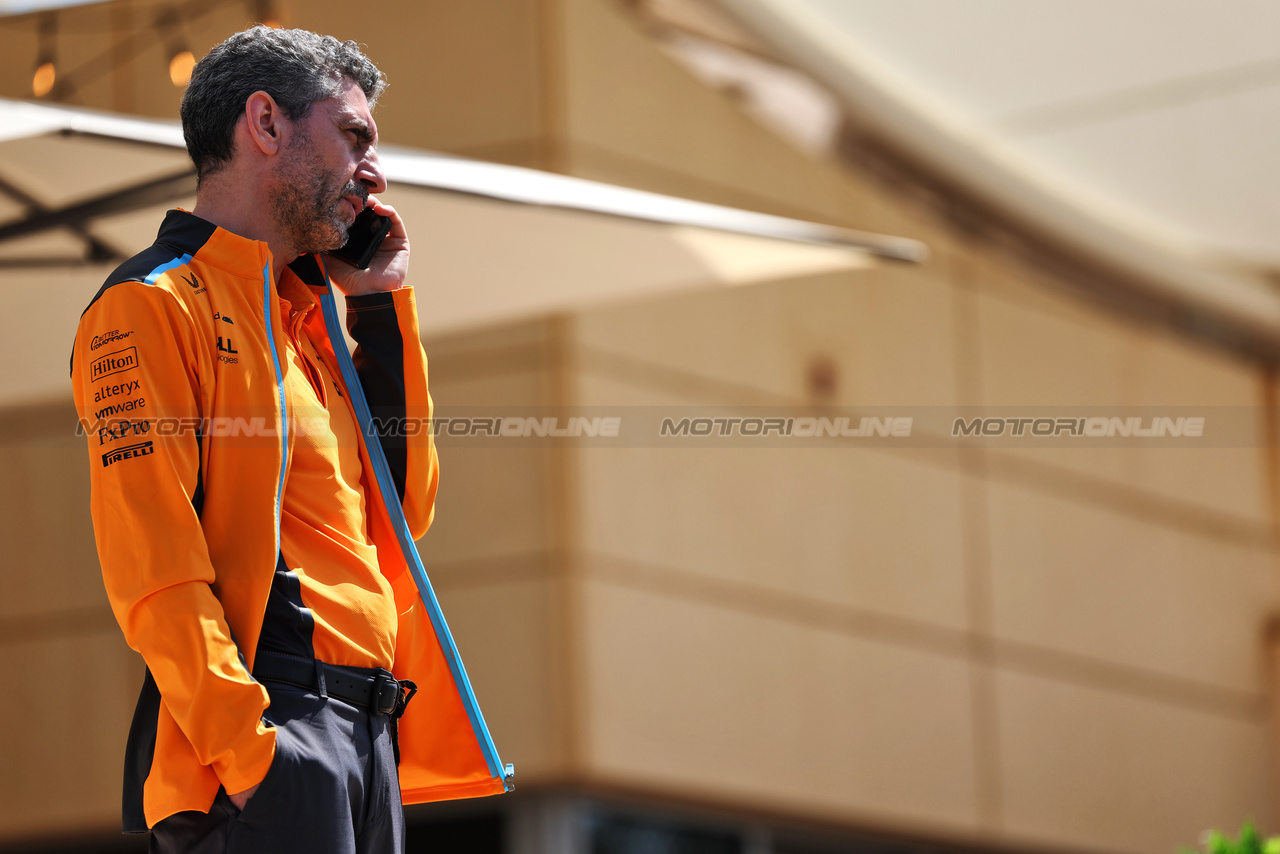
386, 694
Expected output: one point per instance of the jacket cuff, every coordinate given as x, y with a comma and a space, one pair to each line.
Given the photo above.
399, 298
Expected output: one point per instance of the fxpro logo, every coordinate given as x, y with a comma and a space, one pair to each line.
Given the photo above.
113, 363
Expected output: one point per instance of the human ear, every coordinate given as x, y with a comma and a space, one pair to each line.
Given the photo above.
264, 122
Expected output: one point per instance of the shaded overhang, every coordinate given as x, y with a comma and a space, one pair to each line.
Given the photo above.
81, 191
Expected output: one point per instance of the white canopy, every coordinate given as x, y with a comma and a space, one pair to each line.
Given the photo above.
80, 191
1238, 297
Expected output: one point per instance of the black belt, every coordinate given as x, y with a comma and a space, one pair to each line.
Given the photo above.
371, 688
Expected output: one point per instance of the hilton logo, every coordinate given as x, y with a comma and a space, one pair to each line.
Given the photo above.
113, 363
128, 452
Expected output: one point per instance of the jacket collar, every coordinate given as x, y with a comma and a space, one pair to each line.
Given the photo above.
197, 237
308, 269
201, 239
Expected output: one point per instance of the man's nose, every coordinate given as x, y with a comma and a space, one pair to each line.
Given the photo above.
370, 173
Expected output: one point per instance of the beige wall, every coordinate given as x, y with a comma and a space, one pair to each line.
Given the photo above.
1058, 649
71, 679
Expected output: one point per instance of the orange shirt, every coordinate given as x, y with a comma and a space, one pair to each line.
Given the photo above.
324, 534
183, 348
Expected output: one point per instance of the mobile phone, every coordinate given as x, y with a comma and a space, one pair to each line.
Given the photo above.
363, 238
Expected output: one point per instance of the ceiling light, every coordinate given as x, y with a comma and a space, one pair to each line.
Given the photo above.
180, 67
42, 81
46, 74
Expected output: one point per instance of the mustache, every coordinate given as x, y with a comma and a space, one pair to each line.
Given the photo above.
355, 188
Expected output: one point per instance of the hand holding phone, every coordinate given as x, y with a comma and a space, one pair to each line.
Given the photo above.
363, 239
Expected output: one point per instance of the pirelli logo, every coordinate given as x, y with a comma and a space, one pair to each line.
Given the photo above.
128, 452
113, 363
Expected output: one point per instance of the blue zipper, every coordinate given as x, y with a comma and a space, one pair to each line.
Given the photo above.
387, 489
284, 413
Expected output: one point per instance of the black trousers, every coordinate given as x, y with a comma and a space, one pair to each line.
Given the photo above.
331, 789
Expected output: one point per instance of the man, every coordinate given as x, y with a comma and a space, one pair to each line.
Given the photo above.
256, 549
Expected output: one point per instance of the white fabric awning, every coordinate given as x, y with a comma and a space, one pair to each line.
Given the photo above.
80, 191
1239, 301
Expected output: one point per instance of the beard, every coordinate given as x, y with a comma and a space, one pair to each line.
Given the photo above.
309, 206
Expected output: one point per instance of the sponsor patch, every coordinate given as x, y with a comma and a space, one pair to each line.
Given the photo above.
121, 408
116, 390
122, 429
108, 337
128, 452
113, 363
226, 350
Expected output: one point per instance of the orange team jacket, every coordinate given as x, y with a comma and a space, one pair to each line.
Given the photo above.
177, 379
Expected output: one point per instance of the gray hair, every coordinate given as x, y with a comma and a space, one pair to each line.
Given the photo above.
295, 67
